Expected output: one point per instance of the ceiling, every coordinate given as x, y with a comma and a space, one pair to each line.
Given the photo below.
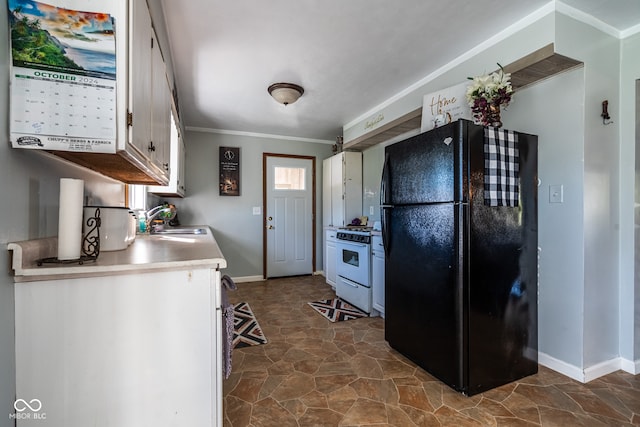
349, 55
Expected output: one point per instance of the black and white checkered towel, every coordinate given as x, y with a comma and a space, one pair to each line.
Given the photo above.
501, 167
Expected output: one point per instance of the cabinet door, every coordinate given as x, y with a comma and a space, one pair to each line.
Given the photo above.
326, 193
331, 263
330, 255
140, 88
177, 151
182, 156
377, 280
352, 187
161, 110
337, 190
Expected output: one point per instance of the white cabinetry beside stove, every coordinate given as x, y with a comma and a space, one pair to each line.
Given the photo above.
377, 273
341, 189
330, 255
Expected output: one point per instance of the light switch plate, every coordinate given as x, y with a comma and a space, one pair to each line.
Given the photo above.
256, 210
556, 193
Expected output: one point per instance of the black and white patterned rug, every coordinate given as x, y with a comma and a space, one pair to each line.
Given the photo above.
337, 310
247, 331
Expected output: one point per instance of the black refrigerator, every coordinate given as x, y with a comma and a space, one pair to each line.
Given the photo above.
459, 226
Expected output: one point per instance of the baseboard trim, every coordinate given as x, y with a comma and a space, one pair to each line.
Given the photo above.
630, 366
602, 369
245, 279
592, 372
562, 367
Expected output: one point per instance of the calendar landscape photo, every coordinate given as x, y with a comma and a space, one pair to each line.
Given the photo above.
63, 78
55, 39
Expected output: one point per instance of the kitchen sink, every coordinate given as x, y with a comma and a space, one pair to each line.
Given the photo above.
180, 230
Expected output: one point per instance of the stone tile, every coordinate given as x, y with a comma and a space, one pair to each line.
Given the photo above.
248, 389
553, 417
269, 385
266, 411
494, 408
342, 399
522, 407
484, 417
380, 390
365, 411
237, 411
280, 368
328, 383
335, 368
415, 397
395, 369
320, 417
592, 404
315, 399
397, 417
295, 406
450, 417
309, 366
294, 386
366, 367
344, 335
548, 396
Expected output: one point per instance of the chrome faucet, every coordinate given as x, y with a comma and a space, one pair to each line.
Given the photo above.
167, 212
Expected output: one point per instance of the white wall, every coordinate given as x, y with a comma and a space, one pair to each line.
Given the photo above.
629, 117
237, 230
552, 109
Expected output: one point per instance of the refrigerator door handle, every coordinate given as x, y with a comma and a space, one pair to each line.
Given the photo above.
385, 211
384, 182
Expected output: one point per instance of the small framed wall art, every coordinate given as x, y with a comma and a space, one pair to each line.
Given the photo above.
229, 171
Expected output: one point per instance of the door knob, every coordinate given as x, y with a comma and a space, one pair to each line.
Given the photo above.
270, 218
270, 227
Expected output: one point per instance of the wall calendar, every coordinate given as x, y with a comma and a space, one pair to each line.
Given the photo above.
63, 78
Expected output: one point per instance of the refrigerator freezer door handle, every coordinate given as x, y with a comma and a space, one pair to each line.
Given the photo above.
384, 182
385, 228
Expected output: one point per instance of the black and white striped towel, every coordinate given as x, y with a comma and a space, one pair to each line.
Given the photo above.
501, 167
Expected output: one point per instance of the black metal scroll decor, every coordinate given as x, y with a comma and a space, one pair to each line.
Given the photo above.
90, 244
91, 241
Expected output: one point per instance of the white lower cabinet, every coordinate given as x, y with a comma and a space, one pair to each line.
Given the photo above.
377, 274
330, 255
121, 351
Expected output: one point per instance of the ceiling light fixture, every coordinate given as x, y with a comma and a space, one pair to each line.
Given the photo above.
285, 93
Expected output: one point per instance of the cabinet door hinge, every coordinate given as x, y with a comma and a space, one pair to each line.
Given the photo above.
129, 118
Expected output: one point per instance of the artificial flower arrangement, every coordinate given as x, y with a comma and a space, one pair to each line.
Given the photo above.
486, 94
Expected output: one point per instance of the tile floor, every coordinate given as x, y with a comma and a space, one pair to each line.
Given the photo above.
316, 373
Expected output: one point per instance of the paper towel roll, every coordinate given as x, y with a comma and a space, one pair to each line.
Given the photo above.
70, 218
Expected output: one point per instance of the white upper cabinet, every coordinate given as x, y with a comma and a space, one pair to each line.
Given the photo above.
342, 189
149, 106
176, 186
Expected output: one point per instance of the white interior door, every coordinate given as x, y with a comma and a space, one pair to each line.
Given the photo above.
289, 216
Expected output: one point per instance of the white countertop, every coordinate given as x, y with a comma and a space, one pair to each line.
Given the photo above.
147, 253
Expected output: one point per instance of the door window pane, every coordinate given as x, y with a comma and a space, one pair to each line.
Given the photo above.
289, 178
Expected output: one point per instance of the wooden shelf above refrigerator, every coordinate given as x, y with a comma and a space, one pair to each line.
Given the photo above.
538, 65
